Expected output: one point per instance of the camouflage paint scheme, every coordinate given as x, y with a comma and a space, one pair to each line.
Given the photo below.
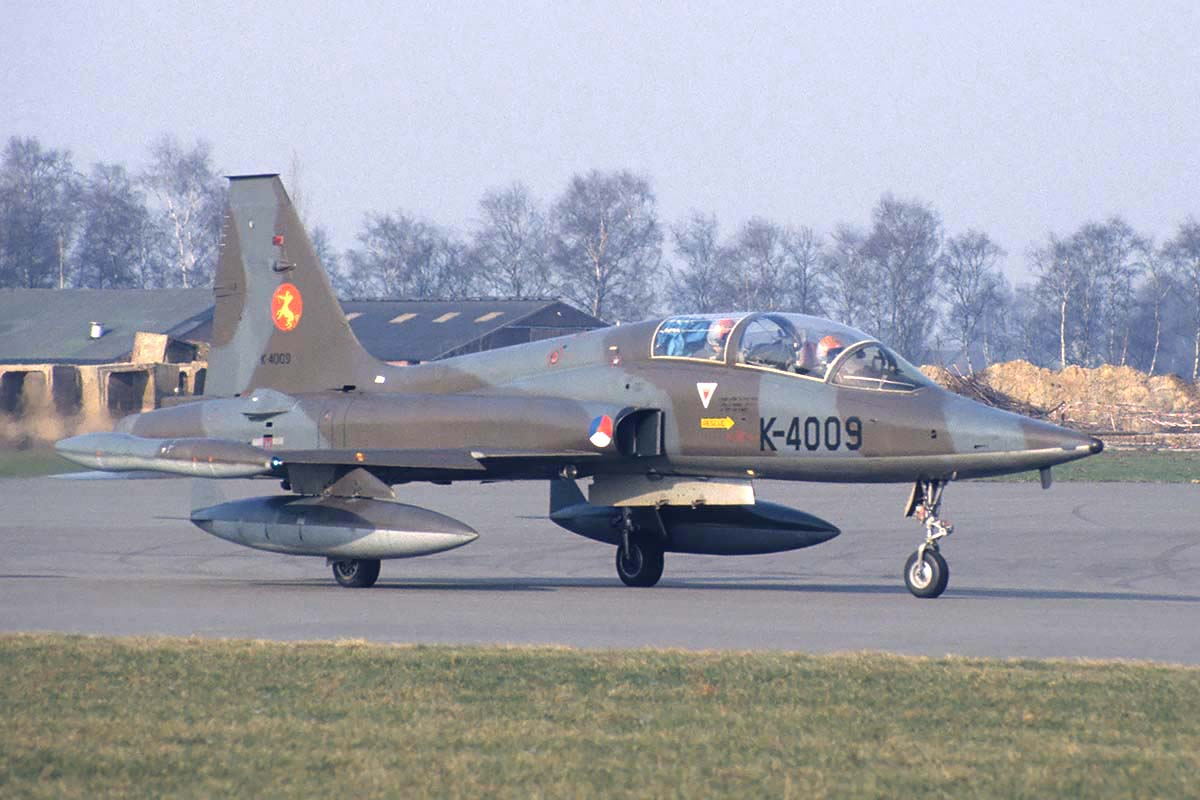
288, 377
492, 414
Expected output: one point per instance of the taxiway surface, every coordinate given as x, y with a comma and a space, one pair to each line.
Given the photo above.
1081, 571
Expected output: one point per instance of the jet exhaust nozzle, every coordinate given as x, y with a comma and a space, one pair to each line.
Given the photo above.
335, 527
197, 458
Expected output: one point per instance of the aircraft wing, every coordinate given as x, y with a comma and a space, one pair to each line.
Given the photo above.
442, 464
224, 458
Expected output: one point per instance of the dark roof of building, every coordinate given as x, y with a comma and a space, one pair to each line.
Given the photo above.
423, 330
53, 325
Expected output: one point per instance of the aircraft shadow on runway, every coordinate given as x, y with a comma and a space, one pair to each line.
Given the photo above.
741, 585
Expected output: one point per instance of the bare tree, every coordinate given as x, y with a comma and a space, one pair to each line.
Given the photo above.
191, 198
297, 188
459, 274
331, 260
903, 249
39, 212
699, 284
1033, 326
1107, 268
1125, 269
509, 244
849, 286
805, 258
757, 262
765, 266
1160, 283
1183, 251
119, 245
970, 280
606, 243
1056, 266
997, 321
402, 256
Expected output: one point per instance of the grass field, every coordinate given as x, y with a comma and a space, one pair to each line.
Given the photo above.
31, 463
91, 717
1128, 466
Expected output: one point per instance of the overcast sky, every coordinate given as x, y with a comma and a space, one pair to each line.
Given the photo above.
1016, 118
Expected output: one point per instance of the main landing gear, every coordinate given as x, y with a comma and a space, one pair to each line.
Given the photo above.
356, 573
639, 555
926, 572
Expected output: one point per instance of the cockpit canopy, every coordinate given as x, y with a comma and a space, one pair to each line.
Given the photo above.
795, 344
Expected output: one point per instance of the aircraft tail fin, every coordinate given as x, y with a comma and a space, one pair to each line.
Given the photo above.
277, 322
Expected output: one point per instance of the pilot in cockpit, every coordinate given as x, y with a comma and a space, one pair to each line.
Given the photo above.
826, 352
718, 332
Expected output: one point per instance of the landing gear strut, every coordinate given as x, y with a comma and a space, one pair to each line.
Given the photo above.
639, 556
356, 573
926, 572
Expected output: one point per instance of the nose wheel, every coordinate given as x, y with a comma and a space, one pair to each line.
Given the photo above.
926, 572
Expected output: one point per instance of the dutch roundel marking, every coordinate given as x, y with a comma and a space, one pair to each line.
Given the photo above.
810, 433
286, 307
600, 434
706, 392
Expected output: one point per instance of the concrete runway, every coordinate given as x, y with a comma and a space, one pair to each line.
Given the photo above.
1081, 571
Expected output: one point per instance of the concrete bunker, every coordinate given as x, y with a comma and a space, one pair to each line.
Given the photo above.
22, 391
126, 391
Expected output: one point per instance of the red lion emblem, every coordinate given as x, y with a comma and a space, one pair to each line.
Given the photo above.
286, 307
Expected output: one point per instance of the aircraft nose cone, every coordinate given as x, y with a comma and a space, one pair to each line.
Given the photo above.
1041, 435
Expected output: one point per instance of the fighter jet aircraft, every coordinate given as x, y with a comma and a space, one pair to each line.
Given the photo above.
672, 420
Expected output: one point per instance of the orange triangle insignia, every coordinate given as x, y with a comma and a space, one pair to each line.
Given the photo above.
286, 307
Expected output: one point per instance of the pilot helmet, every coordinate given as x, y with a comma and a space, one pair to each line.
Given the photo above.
718, 331
829, 347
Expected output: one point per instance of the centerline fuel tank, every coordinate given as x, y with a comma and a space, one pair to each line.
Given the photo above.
760, 527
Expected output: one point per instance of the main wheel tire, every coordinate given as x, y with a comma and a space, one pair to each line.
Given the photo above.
642, 565
929, 577
356, 573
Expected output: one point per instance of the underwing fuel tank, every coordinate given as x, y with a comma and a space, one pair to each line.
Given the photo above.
761, 527
198, 458
337, 527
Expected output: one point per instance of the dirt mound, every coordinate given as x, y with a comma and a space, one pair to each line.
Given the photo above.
1107, 398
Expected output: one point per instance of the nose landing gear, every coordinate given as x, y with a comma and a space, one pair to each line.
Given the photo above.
926, 572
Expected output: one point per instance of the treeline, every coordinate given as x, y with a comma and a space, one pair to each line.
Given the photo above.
108, 228
1101, 294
